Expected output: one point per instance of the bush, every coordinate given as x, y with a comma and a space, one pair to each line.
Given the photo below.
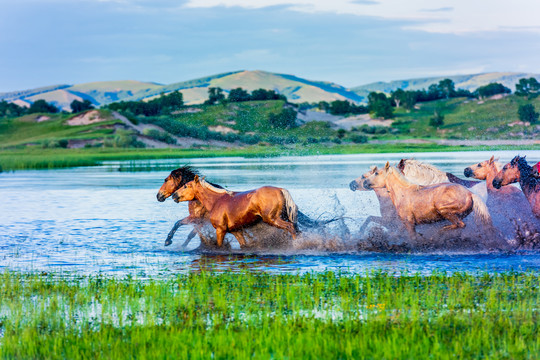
359, 139
437, 120
159, 136
527, 113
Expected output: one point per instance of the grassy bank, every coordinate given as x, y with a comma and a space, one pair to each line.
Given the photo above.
33, 158
248, 315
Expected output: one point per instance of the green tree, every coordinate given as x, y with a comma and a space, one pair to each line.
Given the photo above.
379, 105
238, 95
286, 119
492, 89
437, 120
215, 95
41, 106
527, 113
79, 106
528, 87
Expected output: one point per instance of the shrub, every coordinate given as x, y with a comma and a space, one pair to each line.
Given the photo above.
527, 113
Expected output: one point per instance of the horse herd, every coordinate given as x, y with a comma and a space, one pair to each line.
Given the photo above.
410, 193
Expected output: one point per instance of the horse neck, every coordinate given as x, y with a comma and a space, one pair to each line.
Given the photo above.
424, 174
527, 182
207, 197
493, 171
398, 185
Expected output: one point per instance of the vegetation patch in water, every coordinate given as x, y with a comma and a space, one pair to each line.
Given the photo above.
258, 315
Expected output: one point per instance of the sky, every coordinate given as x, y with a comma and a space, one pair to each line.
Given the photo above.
349, 42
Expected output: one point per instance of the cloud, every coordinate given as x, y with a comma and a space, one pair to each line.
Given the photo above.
442, 16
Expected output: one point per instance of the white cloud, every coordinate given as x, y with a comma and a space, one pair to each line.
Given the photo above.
442, 16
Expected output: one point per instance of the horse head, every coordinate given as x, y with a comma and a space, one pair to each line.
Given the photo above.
481, 170
358, 183
510, 172
187, 192
176, 179
377, 178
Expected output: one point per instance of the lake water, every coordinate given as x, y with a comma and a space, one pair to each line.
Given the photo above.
106, 219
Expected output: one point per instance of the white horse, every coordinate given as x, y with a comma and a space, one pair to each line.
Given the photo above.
427, 174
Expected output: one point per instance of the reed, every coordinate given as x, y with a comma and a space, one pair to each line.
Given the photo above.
205, 315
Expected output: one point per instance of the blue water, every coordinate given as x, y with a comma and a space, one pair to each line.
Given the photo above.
106, 219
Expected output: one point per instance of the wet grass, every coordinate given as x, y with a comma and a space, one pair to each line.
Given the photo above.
37, 158
258, 315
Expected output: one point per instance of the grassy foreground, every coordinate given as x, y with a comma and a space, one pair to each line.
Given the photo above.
250, 315
32, 158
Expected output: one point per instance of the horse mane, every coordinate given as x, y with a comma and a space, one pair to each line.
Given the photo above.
212, 187
187, 173
421, 173
403, 179
526, 172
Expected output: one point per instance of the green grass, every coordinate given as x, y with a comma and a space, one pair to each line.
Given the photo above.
25, 130
469, 119
255, 315
37, 158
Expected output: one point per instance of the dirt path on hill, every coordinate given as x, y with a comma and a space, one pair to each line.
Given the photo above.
181, 142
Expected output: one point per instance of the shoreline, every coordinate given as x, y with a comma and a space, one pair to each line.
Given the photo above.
36, 158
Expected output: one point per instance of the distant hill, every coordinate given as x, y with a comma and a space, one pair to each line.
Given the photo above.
195, 91
467, 82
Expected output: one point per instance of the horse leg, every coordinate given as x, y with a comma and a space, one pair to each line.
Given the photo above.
175, 227
189, 237
281, 224
239, 235
411, 230
371, 218
220, 235
455, 220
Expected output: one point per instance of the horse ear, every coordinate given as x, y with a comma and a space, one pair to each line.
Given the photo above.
196, 178
492, 159
387, 166
401, 164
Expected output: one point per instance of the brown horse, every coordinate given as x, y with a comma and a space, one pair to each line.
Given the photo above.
487, 170
417, 204
389, 216
197, 212
231, 212
518, 170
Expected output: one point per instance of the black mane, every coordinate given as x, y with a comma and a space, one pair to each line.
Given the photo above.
525, 170
187, 173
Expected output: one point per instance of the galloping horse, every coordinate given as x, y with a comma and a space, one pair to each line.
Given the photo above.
427, 174
231, 212
416, 204
197, 212
518, 170
387, 209
487, 170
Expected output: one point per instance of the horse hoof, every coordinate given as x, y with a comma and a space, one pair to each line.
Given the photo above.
168, 242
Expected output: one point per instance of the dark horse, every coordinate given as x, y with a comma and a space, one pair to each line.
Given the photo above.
231, 212
517, 170
198, 214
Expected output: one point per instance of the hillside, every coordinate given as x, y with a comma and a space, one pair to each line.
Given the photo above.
195, 91
467, 82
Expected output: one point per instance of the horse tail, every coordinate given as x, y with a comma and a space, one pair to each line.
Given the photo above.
480, 210
305, 220
290, 207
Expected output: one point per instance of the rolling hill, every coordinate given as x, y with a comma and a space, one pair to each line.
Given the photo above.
195, 91
467, 82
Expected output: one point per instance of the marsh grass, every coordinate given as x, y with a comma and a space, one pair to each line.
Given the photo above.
258, 315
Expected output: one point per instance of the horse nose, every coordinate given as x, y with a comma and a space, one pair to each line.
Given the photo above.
497, 183
160, 197
366, 184
353, 185
175, 197
468, 172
